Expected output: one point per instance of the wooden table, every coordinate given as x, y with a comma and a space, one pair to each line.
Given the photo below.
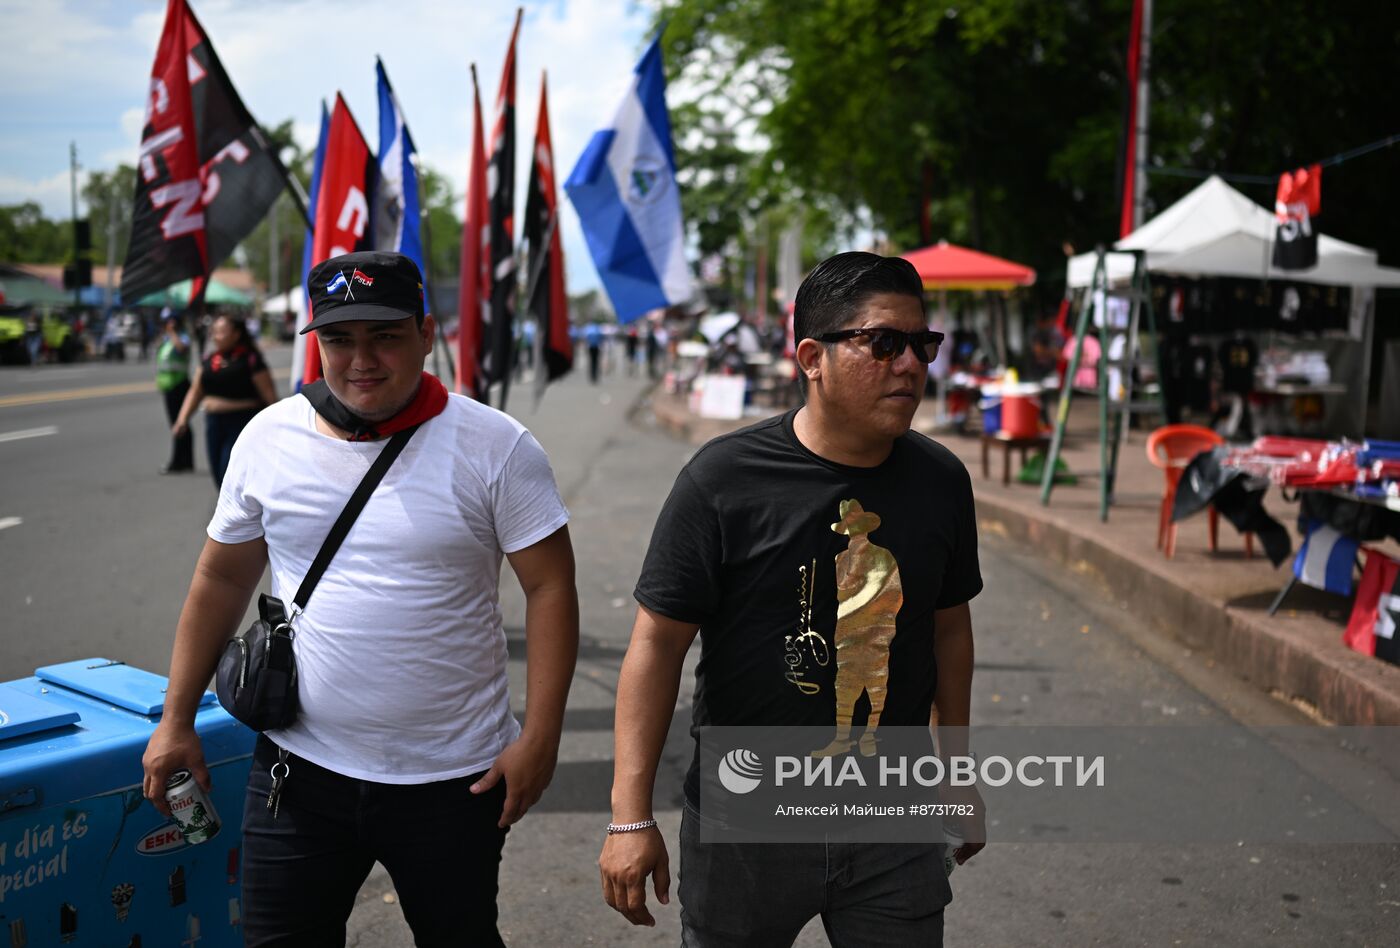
1006, 442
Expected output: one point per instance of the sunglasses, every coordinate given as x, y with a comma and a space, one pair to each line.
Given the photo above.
887, 344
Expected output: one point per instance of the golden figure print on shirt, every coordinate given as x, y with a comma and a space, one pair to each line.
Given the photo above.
868, 597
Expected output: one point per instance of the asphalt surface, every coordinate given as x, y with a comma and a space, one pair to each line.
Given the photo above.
96, 551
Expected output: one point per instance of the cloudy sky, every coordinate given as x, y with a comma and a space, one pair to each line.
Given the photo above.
76, 71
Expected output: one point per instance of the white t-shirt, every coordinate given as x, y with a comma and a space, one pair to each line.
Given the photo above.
401, 655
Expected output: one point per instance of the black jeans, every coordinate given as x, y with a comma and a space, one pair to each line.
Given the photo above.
181, 446
221, 430
302, 870
761, 895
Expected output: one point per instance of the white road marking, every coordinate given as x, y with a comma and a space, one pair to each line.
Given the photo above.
29, 433
7, 522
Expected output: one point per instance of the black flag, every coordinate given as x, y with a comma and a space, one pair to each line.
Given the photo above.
548, 302
206, 176
498, 346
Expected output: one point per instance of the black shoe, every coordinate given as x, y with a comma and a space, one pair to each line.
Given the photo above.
167, 469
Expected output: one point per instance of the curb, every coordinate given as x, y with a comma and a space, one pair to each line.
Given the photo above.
1344, 687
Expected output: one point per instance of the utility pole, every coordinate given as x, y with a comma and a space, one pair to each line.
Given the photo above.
274, 257
114, 205
73, 187
1140, 152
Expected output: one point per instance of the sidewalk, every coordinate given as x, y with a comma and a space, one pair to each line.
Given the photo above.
1212, 603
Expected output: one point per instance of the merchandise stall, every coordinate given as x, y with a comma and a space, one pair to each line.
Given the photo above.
1287, 339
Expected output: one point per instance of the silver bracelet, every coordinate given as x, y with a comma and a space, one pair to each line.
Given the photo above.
630, 827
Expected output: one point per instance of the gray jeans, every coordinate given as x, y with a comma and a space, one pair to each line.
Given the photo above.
763, 894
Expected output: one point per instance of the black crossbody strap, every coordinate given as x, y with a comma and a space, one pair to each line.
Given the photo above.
347, 518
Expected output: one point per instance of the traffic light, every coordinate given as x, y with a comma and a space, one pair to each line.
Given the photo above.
78, 275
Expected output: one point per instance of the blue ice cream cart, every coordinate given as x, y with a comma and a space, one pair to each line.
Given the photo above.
84, 858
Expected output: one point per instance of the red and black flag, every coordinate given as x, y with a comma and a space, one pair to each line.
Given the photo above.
498, 342
1298, 201
1127, 154
205, 176
344, 192
1375, 617
547, 303
474, 292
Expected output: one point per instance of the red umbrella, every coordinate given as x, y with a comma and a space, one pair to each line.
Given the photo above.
946, 266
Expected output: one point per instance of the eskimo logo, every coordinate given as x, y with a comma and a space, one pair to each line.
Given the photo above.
163, 839
740, 770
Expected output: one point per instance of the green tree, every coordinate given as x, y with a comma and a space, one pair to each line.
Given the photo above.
283, 222
27, 236
590, 306
1014, 108
442, 231
108, 195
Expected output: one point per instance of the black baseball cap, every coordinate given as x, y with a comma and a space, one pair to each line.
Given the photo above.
372, 284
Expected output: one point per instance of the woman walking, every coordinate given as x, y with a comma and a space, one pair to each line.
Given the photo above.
234, 384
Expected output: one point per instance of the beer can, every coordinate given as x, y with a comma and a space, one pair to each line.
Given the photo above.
194, 812
952, 840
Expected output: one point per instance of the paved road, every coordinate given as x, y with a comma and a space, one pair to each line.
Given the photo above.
101, 555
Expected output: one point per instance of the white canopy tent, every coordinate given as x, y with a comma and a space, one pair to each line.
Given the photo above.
292, 301
1215, 231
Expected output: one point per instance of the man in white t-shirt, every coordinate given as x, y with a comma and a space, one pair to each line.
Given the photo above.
404, 750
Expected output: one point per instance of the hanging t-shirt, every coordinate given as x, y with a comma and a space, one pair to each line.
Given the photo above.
779, 554
401, 653
1238, 357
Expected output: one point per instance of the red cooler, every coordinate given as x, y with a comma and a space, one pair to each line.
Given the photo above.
1020, 410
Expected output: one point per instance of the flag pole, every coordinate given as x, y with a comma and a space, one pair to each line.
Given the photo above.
536, 269
427, 266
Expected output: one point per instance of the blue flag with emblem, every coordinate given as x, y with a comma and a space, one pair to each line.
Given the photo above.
624, 190
394, 217
1326, 559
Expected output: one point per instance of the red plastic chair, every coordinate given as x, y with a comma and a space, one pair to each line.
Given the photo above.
1171, 448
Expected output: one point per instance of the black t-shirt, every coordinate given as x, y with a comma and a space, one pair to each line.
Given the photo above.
230, 374
747, 546
1237, 360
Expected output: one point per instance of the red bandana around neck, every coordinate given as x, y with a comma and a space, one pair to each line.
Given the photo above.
429, 402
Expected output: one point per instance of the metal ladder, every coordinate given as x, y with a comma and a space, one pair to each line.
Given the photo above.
1112, 431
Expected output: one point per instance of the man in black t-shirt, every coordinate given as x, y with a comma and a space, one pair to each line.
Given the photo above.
826, 558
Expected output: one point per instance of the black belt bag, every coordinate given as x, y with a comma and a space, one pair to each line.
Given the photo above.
257, 675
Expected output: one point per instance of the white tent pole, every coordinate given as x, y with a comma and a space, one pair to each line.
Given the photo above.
1140, 152
1368, 336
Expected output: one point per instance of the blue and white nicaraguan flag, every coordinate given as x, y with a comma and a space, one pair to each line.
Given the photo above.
1326, 559
624, 189
395, 217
